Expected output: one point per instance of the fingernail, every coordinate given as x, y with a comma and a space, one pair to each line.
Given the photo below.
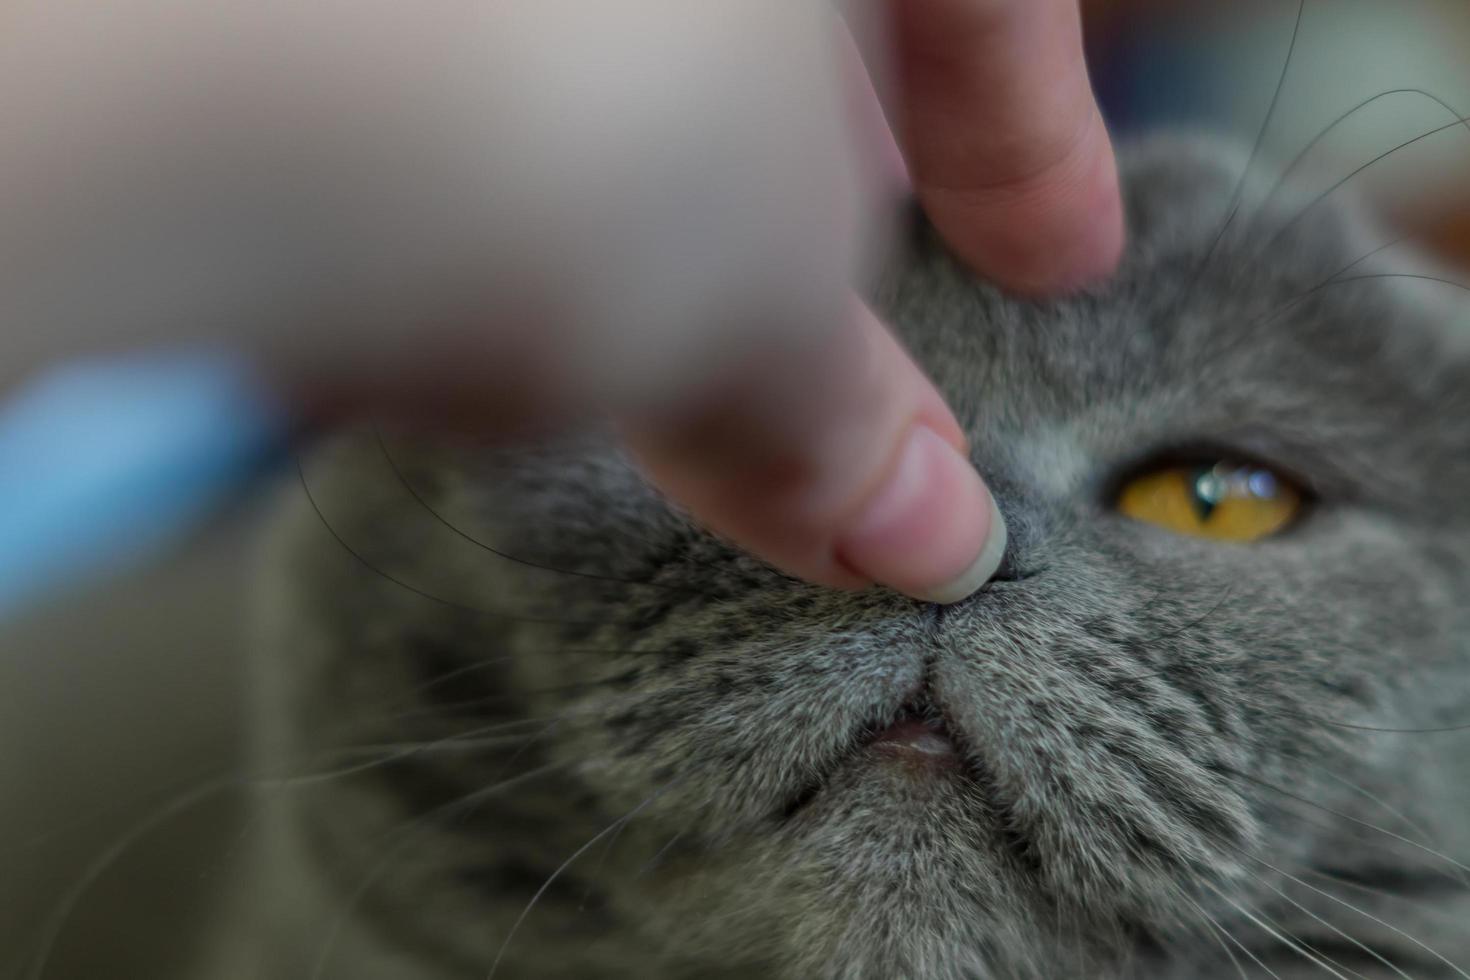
931, 530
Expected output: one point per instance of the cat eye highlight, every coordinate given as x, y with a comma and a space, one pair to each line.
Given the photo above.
1219, 500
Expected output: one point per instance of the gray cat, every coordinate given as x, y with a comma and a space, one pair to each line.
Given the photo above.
524, 719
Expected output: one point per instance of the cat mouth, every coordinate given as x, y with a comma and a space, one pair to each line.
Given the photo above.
917, 741
918, 737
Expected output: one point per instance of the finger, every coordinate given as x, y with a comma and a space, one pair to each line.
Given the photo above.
1006, 147
840, 464
502, 212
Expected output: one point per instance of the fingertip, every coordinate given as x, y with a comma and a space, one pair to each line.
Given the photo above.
931, 529
981, 570
841, 465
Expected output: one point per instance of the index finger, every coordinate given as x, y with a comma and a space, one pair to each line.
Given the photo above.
1005, 144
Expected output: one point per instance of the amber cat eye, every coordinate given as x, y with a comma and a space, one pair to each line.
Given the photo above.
1223, 501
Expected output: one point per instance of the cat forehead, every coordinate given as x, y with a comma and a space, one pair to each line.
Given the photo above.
1208, 231
1225, 280
1235, 316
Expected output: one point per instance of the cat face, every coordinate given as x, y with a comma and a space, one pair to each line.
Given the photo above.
1133, 741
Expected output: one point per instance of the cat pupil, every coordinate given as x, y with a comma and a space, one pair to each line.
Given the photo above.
1210, 488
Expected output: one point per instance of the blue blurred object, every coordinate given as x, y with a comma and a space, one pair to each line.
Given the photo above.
1157, 67
104, 462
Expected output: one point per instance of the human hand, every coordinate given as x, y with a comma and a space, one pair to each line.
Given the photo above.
517, 214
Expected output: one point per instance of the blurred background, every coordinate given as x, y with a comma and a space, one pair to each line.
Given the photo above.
122, 701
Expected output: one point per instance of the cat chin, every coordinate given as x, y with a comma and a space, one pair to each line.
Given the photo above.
893, 866
906, 852
900, 864
896, 808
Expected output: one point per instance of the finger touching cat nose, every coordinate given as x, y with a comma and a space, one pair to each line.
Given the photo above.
838, 463
918, 531
1004, 141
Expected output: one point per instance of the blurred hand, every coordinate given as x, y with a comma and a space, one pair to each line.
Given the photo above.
519, 213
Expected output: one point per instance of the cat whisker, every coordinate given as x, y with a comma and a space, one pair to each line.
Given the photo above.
611, 828
1274, 712
1317, 918
1337, 279
55, 923
1228, 594
410, 750
1329, 723
430, 596
526, 562
1237, 194
1419, 907
658, 856
612, 842
1365, 914
382, 755
1290, 942
1285, 307
509, 724
489, 700
415, 829
490, 663
1326, 130
1426, 849
1382, 805
110, 808
1398, 275
1216, 931
1366, 256
222, 778
1377, 843
1314, 202
395, 751
430, 713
